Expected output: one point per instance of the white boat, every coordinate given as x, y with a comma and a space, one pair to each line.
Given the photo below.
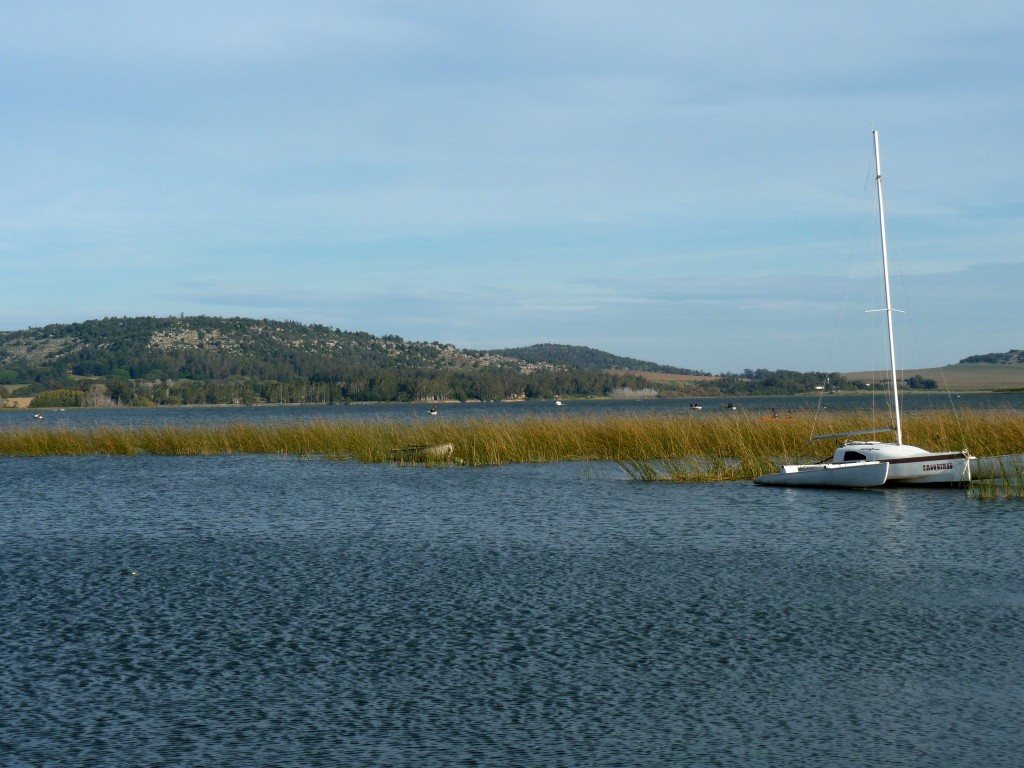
862, 474
906, 464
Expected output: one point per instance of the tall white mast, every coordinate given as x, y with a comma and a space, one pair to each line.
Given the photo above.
888, 298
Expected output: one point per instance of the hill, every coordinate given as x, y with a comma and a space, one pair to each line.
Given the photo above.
185, 360
212, 347
1013, 357
211, 359
586, 357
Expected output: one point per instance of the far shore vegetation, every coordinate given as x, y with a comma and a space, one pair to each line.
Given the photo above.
418, 385
200, 360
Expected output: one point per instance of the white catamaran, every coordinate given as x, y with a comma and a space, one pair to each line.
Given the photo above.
869, 463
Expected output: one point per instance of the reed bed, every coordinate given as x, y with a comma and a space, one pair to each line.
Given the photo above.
686, 447
1008, 484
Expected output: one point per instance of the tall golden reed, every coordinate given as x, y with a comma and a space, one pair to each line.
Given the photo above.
732, 445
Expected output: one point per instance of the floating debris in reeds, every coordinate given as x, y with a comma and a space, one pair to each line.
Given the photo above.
440, 453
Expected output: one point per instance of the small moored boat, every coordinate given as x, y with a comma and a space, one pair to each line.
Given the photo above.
905, 464
864, 474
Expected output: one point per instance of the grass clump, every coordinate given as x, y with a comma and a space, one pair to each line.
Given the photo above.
1007, 482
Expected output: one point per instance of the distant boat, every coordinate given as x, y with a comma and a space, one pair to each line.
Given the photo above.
730, 407
558, 402
906, 464
696, 406
37, 416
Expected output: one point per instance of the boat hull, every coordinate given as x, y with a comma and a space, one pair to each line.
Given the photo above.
908, 464
993, 467
866, 474
937, 469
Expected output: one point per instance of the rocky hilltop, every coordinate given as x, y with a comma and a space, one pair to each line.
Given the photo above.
211, 347
144, 360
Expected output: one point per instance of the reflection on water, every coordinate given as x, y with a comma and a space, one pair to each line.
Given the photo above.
240, 611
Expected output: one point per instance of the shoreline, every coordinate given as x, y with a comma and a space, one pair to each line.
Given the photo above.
23, 403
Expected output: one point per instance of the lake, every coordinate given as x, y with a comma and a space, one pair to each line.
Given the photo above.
275, 611
84, 418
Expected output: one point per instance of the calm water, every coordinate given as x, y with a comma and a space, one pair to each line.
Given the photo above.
260, 611
91, 417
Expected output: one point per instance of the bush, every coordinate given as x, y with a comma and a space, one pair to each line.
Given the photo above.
58, 398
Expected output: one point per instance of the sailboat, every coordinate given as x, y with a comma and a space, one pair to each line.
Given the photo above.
860, 463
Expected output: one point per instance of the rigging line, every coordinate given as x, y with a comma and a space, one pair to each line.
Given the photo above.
901, 280
856, 246
879, 338
880, 369
957, 416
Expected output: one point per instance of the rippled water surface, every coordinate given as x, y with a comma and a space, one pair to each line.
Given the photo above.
260, 611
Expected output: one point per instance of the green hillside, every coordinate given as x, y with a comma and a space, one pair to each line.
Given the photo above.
212, 347
187, 360
211, 359
586, 357
1013, 357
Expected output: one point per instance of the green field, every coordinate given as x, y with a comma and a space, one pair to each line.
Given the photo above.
962, 377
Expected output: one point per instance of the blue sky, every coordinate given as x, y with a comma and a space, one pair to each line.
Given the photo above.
684, 183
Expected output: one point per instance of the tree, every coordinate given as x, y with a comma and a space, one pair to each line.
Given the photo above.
121, 390
920, 382
58, 398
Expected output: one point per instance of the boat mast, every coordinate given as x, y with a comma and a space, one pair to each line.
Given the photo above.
888, 298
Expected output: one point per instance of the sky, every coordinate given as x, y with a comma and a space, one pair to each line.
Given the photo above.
686, 183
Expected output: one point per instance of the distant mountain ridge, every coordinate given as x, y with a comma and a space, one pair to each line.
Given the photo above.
169, 360
212, 360
586, 357
203, 347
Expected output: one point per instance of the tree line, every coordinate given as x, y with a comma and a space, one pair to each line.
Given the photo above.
210, 360
587, 357
363, 385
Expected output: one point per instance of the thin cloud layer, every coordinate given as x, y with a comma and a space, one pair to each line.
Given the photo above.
691, 186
